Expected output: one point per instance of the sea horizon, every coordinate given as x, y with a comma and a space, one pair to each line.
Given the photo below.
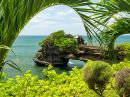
26, 47
72, 34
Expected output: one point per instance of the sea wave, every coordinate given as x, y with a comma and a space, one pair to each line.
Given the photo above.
71, 63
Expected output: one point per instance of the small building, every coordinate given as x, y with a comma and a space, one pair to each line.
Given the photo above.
76, 37
69, 36
79, 39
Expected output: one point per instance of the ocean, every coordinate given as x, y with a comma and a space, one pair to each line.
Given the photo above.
26, 47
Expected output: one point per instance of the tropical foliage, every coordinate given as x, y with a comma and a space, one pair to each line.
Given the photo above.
59, 39
119, 27
97, 75
9, 62
56, 85
126, 63
15, 14
62, 85
126, 48
112, 8
121, 65
122, 78
55, 36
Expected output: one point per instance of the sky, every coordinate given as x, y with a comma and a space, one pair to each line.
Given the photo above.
55, 18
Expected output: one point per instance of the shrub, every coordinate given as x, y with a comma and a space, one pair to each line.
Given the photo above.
126, 63
122, 79
121, 65
56, 85
97, 74
126, 48
60, 40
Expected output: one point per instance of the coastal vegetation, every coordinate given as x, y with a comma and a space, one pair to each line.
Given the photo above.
100, 81
60, 40
110, 34
126, 48
97, 75
15, 14
122, 78
62, 85
55, 49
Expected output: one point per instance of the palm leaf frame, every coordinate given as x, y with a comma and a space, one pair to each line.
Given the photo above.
15, 14
121, 25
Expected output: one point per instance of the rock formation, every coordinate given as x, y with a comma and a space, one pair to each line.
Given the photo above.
55, 48
50, 55
53, 55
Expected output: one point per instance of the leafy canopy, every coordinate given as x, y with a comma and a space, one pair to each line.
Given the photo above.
15, 14
60, 40
119, 27
97, 75
126, 48
56, 85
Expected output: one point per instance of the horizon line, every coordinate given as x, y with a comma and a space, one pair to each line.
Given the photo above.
73, 35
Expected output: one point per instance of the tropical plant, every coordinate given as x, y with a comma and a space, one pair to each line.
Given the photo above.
122, 78
119, 27
56, 85
9, 62
126, 64
126, 48
97, 74
112, 8
15, 14
50, 40
59, 39
121, 65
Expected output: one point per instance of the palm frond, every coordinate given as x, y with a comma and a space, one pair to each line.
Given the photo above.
10, 62
15, 14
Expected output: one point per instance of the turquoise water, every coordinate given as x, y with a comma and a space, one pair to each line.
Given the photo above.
26, 48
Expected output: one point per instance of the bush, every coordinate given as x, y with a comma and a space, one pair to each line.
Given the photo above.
122, 79
126, 48
60, 40
56, 85
126, 63
97, 74
121, 65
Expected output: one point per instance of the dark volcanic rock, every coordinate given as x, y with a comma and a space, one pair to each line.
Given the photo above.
50, 55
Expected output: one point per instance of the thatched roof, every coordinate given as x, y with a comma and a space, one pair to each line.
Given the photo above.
69, 36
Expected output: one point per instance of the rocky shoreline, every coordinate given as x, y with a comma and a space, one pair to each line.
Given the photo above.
50, 55
53, 55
